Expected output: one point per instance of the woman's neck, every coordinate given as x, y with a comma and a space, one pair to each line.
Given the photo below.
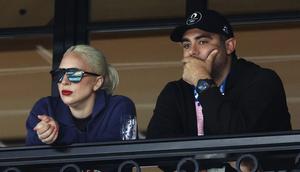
84, 108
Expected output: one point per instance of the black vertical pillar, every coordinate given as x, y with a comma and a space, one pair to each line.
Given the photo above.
82, 35
192, 5
70, 28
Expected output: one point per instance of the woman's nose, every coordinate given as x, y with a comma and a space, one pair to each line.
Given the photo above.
65, 80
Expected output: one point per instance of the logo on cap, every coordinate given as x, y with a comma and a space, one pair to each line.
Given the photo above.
194, 18
225, 29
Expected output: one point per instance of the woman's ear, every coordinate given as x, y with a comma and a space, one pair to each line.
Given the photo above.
230, 45
99, 82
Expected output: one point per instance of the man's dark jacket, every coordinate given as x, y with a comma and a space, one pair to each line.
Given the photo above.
254, 101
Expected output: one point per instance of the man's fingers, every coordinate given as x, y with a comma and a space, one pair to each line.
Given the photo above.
184, 60
211, 57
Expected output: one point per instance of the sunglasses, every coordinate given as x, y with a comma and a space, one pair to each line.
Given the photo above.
74, 75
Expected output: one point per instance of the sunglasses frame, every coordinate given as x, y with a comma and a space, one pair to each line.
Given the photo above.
58, 74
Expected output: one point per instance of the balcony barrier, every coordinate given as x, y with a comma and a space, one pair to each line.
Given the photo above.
279, 151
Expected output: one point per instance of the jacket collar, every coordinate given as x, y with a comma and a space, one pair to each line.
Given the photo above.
233, 74
101, 102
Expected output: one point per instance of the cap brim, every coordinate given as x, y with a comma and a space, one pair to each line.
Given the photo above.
178, 32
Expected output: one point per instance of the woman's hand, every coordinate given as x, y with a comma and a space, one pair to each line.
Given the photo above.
47, 129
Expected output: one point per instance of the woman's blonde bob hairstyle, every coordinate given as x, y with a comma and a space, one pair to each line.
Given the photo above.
97, 62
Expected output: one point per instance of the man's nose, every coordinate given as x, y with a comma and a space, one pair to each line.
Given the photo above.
195, 52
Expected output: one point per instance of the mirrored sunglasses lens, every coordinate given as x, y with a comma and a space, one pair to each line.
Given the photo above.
58, 75
74, 76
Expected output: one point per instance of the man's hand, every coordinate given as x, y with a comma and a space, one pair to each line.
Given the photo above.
47, 129
195, 69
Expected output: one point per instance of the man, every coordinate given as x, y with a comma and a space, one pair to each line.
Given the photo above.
218, 93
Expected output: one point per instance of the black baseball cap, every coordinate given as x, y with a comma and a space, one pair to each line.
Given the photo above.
207, 20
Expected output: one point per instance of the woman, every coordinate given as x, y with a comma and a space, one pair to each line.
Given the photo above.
85, 111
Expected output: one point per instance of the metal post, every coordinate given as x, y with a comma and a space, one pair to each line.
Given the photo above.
70, 28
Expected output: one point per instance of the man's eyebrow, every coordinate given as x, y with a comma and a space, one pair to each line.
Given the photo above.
198, 37
185, 40
204, 36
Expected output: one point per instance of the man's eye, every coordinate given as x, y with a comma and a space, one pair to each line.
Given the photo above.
202, 42
185, 46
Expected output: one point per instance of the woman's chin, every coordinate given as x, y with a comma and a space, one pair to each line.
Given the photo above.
68, 100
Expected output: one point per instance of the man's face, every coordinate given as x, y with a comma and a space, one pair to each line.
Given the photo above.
199, 44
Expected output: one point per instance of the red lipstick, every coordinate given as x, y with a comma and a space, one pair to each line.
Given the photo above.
66, 92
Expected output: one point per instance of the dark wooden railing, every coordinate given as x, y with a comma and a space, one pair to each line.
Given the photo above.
279, 151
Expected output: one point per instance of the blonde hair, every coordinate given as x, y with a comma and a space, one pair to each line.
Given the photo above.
97, 61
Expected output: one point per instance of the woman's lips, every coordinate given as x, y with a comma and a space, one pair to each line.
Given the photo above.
66, 92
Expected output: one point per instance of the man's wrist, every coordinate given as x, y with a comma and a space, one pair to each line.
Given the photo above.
204, 84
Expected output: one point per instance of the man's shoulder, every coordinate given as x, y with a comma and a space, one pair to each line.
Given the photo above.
253, 67
245, 64
252, 71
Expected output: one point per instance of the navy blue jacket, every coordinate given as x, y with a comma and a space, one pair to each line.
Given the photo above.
110, 116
